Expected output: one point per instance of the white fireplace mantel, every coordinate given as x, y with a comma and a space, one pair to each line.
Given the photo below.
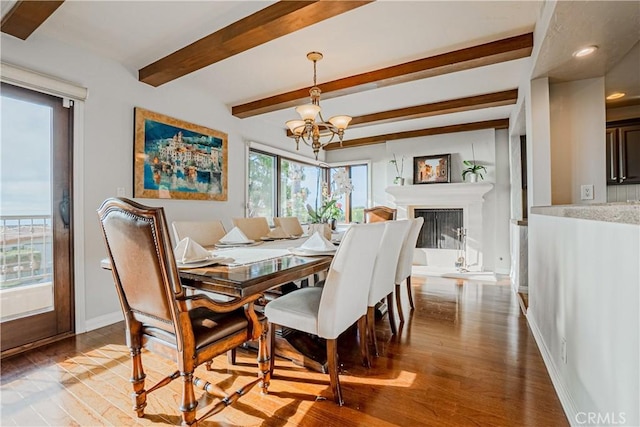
454, 193
467, 196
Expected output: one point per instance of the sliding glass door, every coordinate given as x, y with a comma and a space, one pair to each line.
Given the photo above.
35, 219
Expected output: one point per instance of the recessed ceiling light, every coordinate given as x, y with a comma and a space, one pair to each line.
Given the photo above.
585, 51
616, 95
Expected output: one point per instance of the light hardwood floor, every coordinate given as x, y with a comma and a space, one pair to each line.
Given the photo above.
465, 357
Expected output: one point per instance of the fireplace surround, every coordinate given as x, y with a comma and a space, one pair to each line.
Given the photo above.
466, 196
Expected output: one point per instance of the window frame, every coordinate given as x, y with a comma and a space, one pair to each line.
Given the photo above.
325, 173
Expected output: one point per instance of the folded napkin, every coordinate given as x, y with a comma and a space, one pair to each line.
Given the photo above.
318, 243
277, 233
235, 236
188, 250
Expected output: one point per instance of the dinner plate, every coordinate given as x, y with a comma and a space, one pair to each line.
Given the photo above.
236, 245
271, 239
198, 264
307, 252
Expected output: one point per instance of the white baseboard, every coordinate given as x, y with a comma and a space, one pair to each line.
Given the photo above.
504, 271
104, 320
566, 400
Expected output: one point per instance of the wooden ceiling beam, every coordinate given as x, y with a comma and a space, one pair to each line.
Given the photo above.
488, 100
26, 16
272, 22
370, 140
463, 59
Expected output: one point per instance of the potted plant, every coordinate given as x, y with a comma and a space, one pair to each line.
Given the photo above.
399, 170
331, 210
473, 169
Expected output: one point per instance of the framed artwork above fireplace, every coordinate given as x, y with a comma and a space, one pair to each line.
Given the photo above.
432, 169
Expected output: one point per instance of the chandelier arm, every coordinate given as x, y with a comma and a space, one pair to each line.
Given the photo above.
306, 142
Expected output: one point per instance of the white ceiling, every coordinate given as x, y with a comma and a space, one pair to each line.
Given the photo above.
377, 35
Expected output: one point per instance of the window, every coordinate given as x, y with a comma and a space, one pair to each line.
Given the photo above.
359, 195
353, 204
262, 184
299, 185
279, 186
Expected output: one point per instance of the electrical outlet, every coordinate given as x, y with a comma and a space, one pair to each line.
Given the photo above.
120, 192
586, 192
563, 350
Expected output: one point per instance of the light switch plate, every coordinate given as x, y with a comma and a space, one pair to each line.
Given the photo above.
120, 192
586, 192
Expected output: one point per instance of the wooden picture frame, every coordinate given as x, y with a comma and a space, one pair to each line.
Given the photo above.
174, 159
432, 169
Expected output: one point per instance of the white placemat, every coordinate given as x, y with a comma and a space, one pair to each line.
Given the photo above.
243, 256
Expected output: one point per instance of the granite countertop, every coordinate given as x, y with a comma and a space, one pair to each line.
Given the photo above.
623, 212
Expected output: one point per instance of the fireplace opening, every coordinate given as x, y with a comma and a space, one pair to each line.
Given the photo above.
440, 227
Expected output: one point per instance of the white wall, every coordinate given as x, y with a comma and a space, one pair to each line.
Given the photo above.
502, 215
577, 145
491, 150
584, 286
538, 143
108, 152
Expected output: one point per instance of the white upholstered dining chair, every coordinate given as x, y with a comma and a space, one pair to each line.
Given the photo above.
254, 228
330, 310
384, 274
290, 225
404, 263
205, 233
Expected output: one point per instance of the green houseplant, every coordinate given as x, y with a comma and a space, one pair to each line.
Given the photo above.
472, 169
330, 209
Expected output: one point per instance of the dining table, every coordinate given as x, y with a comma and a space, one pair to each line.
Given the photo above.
262, 269
270, 277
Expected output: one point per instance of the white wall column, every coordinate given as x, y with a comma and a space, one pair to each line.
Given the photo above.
538, 143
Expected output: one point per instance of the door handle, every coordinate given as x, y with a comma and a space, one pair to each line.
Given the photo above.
612, 161
622, 161
64, 208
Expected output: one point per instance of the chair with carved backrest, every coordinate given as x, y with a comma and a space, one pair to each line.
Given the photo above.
379, 214
161, 317
207, 234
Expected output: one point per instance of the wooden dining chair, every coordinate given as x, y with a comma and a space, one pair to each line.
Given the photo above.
205, 233
330, 310
384, 274
379, 213
254, 228
403, 272
161, 317
290, 225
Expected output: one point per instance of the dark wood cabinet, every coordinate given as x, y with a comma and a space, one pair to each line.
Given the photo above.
623, 152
